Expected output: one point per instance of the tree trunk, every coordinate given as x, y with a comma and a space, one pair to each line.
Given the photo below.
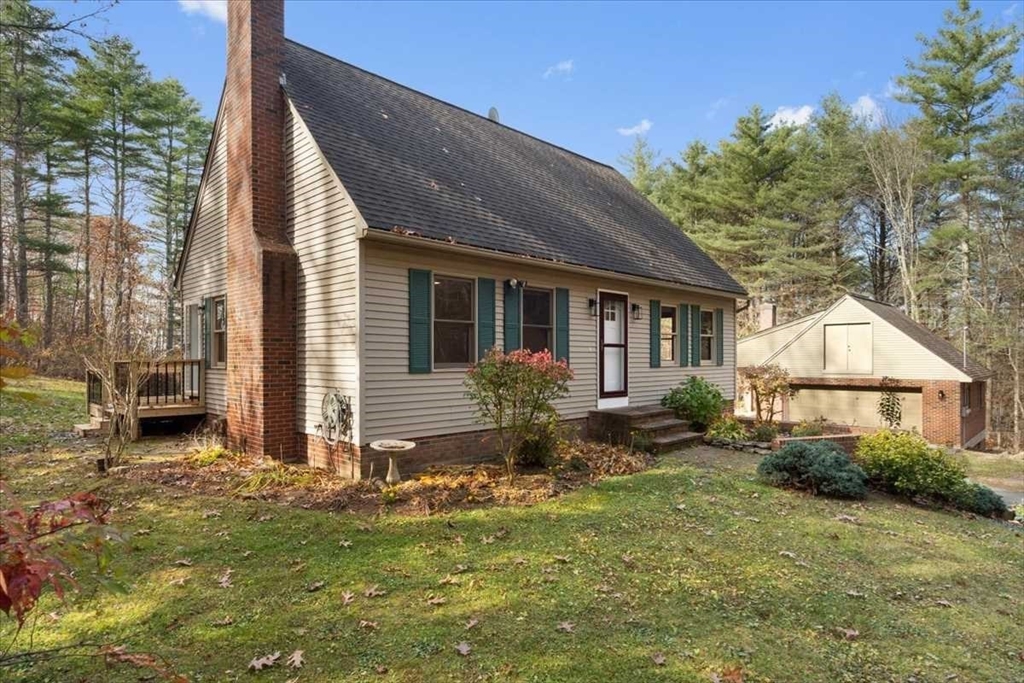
87, 192
48, 254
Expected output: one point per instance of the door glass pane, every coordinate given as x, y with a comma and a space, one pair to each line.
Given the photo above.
614, 366
614, 319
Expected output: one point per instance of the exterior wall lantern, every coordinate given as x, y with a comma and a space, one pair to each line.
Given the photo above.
592, 304
638, 313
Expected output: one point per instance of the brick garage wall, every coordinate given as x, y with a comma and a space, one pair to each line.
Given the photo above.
940, 419
464, 448
262, 266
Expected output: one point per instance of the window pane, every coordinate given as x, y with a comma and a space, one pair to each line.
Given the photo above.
536, 307
536, 338
705, 348
453, 343
220, 316
668, 348
707, 322
220, 348
668, 322
453, 299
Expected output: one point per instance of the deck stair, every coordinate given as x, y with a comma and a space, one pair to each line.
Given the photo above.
96, 426
660, 425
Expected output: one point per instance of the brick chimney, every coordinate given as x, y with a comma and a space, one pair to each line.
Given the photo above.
262, 266
766, 316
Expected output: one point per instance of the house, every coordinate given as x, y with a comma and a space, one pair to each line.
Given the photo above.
358, 242
838, 357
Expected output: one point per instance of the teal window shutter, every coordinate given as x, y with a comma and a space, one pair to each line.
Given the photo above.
484, 316
513, 310
655, 333
695, 335
562, 324
208, 331
420, 288
719, 336
684, 335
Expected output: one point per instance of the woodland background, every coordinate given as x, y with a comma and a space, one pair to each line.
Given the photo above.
100, 165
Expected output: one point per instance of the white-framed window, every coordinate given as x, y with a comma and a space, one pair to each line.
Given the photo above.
707, 336
668, 333
454, 321
538, 319
219, 352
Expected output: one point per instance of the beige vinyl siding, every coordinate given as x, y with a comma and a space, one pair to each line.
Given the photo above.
763, 344
322, 225
852, 406
205, 271
398, 404
893, 354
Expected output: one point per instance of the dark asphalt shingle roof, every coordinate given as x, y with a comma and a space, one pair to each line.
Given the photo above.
416, 163
926, 338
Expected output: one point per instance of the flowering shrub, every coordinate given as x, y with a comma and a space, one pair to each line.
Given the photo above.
515, 392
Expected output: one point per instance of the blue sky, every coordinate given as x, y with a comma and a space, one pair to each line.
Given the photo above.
584, 76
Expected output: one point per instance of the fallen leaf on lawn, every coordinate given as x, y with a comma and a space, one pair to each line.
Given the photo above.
381, 669
846, 518
184, 562
260, 663
487, 540
680, 507
247, 553
295, 660
264, 518
473, 621
502, 532
463, 648
459, 568
348, 597
449, 580
142, 532
733, 674
943, 603
458, 540
365, 527
658, 658
315, 586
210, 513
368, 625
345, 544
848, 633
855, 594
566, 627
787, 553
225, 579
374, 592
436, 600
519, 560
627, 559
180, 581
226, 621
564, 559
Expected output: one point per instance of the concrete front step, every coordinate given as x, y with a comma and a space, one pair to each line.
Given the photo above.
662, 426
676, 440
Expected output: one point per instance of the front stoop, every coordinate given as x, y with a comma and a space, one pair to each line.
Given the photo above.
94, 427
618, 425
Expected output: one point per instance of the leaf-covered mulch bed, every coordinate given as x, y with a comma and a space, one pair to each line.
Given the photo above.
441, 489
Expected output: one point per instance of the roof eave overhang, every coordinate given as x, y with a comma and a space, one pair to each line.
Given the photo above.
416, 241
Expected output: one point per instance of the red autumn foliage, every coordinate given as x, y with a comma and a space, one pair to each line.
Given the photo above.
39, 547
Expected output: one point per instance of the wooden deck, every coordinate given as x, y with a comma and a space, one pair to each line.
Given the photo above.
171, 388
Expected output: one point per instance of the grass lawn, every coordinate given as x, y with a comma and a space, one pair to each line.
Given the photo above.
997, 469
693, 561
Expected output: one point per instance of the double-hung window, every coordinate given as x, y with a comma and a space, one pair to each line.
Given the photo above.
538, 324
219, 357
668, 333
707, 336
454, 322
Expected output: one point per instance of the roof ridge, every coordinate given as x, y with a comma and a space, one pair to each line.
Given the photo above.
454, 106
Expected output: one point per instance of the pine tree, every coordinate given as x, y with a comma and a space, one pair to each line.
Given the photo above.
956, 83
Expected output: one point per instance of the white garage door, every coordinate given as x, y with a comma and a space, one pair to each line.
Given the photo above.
851, 406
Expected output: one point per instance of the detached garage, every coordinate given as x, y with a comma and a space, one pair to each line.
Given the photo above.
837, 359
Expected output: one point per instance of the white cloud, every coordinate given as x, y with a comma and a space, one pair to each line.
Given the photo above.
564, 69
638, 129
212, 9
791, 116
859, 74
1010, 11
892, 90
866, 108
716, 106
